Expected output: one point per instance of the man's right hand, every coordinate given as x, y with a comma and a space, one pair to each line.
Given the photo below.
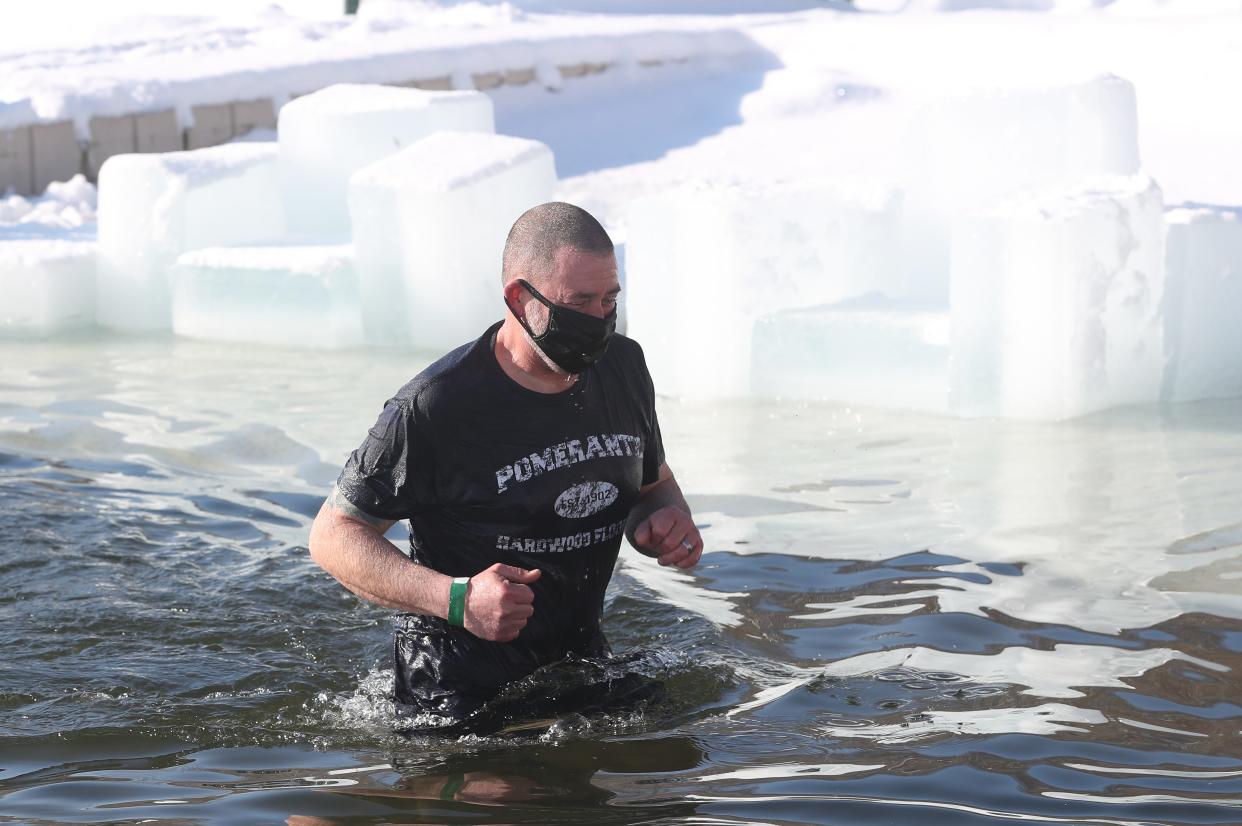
499, 602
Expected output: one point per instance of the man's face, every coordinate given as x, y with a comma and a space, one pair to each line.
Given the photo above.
581, 281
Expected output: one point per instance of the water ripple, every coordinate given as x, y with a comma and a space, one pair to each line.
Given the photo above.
899, 619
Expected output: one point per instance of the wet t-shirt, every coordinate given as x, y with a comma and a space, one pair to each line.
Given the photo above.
488, 471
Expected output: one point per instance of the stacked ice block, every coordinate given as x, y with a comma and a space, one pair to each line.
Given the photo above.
255, 236
705, 262
992, 142
46, 286
969, 149
296, 296
429, 226
154, 207
1204, 299
1057, 302
327, 136
1019, 273
870, 350
1019, 269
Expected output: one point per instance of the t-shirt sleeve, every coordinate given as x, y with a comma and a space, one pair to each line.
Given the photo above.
653, 450
653, 454
389, 475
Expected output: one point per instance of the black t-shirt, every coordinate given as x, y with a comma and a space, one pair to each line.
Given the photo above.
488, 471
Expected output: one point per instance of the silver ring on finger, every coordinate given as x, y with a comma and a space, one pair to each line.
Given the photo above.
689, 546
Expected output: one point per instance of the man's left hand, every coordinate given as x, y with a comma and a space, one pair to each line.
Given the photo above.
670, 536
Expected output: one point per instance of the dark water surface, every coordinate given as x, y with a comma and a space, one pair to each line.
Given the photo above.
900, 619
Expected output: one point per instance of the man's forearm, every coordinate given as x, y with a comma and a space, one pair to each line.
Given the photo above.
664, 493
366, 563
350, 545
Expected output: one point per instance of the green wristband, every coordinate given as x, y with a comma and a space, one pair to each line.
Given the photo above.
457, 600
452, 786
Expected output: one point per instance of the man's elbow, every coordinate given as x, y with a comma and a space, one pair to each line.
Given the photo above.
319, 542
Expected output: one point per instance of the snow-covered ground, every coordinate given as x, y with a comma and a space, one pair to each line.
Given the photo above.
872, 116
136, 63
62, 58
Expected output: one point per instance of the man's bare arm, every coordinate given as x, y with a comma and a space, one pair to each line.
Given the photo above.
661, 525
349, 544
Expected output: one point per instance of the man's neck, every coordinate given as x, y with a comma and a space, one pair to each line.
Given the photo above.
521, 363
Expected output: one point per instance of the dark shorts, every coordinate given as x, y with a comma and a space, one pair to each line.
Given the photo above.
434, 691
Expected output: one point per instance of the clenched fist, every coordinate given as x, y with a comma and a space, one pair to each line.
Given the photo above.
670, 536
499, 603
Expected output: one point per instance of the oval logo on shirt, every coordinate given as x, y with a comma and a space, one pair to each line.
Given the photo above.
586, 499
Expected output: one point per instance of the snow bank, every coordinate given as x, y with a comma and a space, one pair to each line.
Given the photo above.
430, 224
329, 135
1057, 300
64, 208
16, 112
285, 295
1006, 5
279, 57
1211, 7
154, 207
1114, 6
677, 6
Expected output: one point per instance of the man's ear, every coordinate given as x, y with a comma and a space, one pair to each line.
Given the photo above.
513, 297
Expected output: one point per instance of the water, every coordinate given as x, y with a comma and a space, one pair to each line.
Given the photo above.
899, 620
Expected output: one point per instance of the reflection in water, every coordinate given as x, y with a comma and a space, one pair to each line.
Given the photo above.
572, 777
899, 619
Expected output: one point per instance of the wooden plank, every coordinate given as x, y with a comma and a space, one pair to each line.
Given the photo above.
432, 84
16, 161
56, 152
487, 80
109, 136
213, 125
158, 131
519, 77
253, 114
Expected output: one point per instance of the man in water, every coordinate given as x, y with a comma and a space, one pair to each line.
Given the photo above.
519, 460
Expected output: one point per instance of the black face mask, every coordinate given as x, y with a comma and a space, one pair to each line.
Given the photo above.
573, 340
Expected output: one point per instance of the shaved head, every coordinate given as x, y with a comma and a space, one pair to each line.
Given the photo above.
537, 236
